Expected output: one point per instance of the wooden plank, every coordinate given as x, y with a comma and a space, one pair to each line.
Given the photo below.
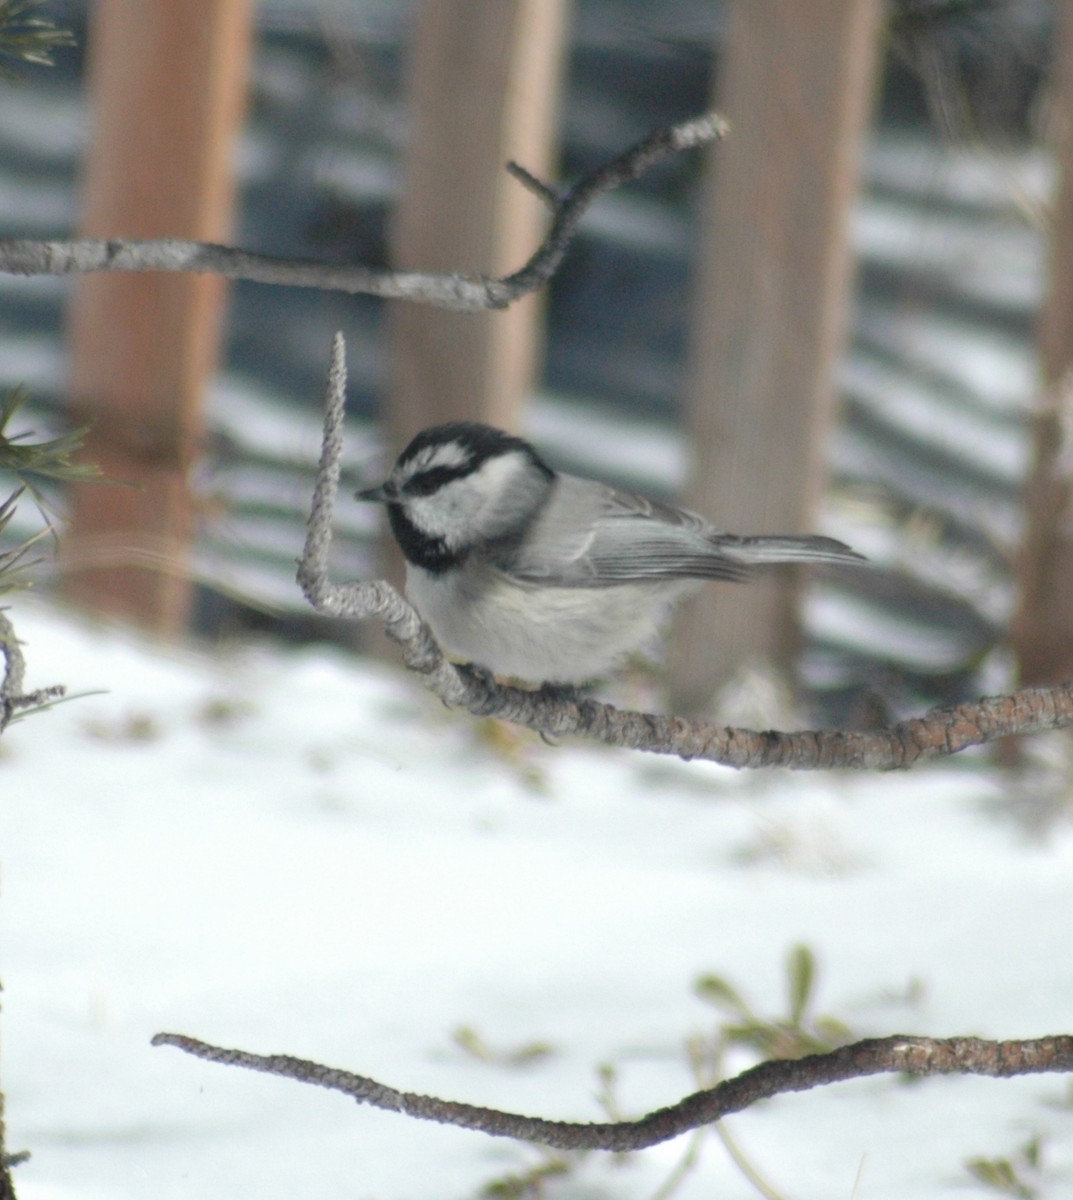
167, 82
484, 88
797, 84
1043, 625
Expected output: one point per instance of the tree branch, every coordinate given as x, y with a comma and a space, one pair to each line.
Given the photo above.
899, 1054
461, 293
12, 698
941, 732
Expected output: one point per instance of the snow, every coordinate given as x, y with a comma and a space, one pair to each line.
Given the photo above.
292, 851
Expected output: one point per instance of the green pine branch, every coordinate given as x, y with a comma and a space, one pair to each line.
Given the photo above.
26, 39
32, 465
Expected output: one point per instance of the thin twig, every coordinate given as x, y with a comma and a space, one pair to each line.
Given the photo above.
546, 194
890, 1055
461, 293
941, 732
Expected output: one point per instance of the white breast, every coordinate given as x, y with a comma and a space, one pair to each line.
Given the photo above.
557, 635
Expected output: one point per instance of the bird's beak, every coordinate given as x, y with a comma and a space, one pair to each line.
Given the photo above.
383, 493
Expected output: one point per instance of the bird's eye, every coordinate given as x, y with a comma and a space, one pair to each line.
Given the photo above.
430, 481
422, 485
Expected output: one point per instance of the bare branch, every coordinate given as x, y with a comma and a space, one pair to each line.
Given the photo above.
941, 732
658, 146
461, 293
15, 664
546, 194
899, 1054
12, 698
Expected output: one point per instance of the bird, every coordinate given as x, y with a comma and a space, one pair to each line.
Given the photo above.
546, 577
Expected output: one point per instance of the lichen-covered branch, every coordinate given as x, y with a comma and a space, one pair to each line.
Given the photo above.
894, 1055
456, 291
12, 698
940, 732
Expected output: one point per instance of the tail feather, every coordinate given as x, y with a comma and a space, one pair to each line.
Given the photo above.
788, 548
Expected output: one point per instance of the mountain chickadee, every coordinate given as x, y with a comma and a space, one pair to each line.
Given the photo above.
545, 576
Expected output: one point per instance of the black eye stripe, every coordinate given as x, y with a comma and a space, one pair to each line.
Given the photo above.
427, 482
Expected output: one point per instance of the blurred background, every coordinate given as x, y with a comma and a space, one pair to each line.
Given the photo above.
837, 320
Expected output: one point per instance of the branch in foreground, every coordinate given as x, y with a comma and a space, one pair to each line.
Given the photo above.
941, 732
898, 1054
460, 293
12, 698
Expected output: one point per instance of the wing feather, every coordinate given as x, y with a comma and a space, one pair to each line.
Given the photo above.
592, 535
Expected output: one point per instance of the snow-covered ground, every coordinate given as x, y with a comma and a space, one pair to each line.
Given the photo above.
292, 851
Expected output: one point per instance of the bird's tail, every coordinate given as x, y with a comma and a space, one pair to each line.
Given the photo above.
788, 548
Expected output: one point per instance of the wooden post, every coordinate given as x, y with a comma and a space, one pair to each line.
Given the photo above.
796, 82
167, 82
484, 88
1043, 625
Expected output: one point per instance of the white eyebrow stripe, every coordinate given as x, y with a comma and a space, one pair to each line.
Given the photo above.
448, 454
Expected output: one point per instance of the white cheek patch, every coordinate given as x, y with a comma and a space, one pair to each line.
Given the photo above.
443, 514
495, 474
477, 505
505, 489
425, 513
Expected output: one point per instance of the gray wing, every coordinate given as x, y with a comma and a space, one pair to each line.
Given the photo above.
591, 535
